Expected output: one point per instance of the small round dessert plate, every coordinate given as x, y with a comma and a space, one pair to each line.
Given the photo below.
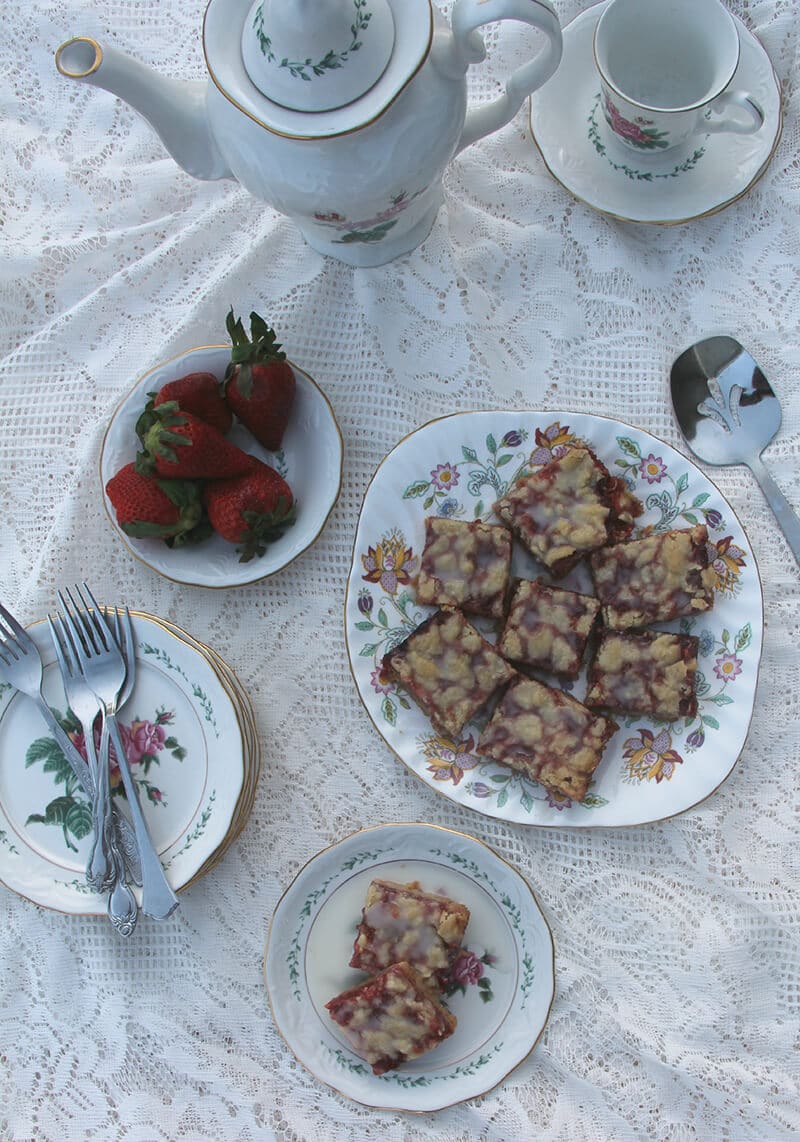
313, 433
502, 982
458, 467
186, 743
677, 186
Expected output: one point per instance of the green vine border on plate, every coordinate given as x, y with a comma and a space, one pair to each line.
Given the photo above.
161, 656
410, 1082
4, 839
197, 832
295, 948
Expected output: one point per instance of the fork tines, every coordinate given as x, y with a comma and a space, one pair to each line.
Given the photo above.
87, 622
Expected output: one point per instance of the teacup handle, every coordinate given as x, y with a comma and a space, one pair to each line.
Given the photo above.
467, 16
721, 118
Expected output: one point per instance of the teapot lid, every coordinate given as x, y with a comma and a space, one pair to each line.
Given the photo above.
315, 68
317, 55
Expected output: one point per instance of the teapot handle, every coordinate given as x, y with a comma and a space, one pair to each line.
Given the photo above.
467, 16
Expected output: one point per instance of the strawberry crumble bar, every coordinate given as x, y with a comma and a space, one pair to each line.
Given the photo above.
568, 508
644, 672
466, 565
548, 736
547, 627
401, 922
660, 577
449, 669
392, 1017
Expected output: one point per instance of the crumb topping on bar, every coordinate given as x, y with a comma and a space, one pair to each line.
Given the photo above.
547, 627
647, 672
654, 579
547, 735
465, 564
401, 922
449, 668
568, 508
392, 1017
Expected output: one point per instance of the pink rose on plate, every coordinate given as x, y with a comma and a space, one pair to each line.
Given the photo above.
467, 969
144, 738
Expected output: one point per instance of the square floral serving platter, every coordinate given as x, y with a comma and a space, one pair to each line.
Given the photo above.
458, 466
501, 984
183, 734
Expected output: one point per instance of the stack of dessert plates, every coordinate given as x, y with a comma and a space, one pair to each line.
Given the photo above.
192, 741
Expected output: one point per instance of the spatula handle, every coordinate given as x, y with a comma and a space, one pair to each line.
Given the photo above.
784, 512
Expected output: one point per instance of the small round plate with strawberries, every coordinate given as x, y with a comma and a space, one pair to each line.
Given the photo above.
212, 560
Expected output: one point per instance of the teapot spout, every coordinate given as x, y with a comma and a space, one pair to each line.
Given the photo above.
176, 110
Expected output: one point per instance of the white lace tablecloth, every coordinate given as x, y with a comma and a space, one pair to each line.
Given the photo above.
677, 1004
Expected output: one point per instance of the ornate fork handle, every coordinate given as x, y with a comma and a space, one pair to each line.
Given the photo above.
101, 872
125, 835
158, 899
123, 911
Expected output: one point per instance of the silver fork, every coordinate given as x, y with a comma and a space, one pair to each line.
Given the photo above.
122, 908
125, 641
102, 866
105, 868
21, 667
102, 665
85, 705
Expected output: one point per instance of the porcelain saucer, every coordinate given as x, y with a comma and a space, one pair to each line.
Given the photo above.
503, 980
690, 182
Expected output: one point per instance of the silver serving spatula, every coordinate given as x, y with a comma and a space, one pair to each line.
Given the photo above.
728, 414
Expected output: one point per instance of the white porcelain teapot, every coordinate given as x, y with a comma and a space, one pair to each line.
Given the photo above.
341, 114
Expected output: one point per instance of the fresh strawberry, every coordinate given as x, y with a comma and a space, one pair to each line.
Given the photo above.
199, 394
162, 509
178, 445
250, 510
259, 381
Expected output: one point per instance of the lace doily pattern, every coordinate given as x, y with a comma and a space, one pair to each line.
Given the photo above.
677, 997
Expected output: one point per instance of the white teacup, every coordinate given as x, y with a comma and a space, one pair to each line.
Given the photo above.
665, 68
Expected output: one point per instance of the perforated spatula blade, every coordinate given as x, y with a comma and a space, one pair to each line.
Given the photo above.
728, 414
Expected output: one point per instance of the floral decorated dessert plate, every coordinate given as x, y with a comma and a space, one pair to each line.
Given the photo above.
184, 740
679, 185
502, 982
312, 434
459, 466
